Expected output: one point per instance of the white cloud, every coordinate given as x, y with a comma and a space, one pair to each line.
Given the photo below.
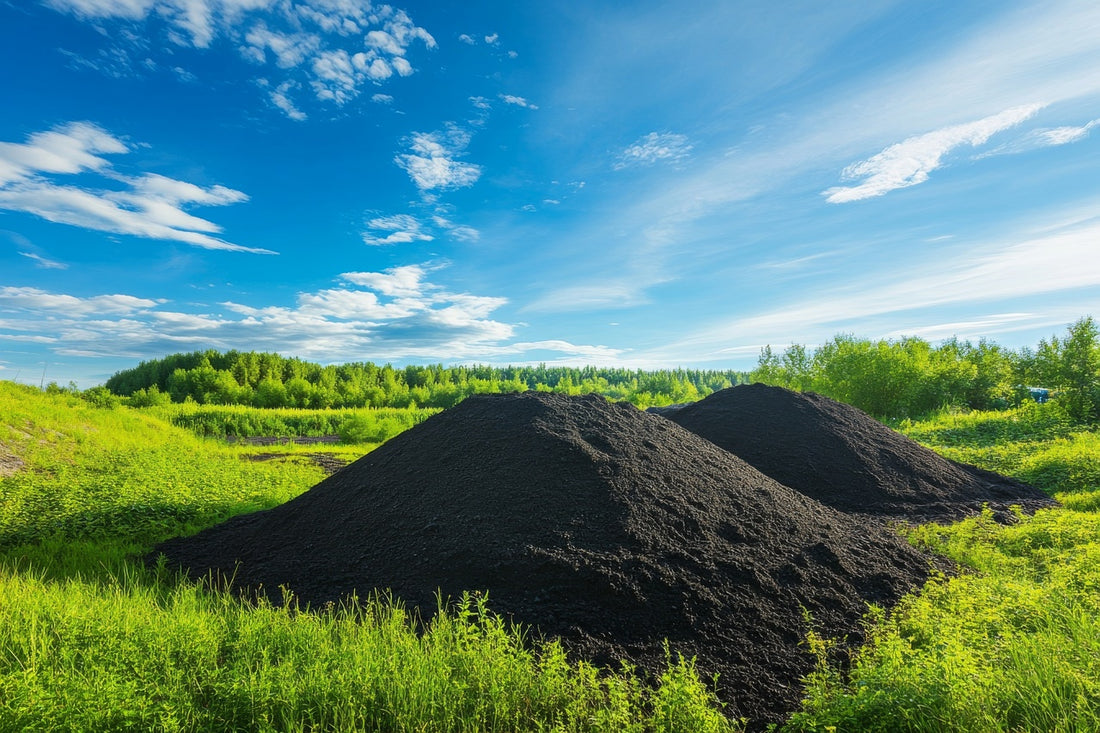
492, 39
45, 263
396, 314
467, 39
432, 161
280, 99
604, 295
149, 206
517, 101
43, 302
404, 281
1069, 134
392, 315
910, 162
654, 147
69, 148
1050, 261
399, 229
1044, 138
333, 47
480, 102
382, 98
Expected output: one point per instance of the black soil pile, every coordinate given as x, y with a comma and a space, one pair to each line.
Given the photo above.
844, 458
611, 528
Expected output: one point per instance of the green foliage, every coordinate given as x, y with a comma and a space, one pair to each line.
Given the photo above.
135, 652
239, 421
269, 380
1012, 643
911, 378
371, 428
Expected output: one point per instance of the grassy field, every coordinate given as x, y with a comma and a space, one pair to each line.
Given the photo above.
92, 640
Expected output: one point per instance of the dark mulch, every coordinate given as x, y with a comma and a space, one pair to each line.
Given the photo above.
842, 457
608, 527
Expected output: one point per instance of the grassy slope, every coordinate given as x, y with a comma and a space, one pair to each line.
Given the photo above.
91, 640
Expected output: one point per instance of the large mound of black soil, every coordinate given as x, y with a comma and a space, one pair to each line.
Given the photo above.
846, 459
609, 527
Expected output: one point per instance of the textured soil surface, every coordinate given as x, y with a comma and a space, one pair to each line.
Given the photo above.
331, 464
280, 440
9, 462
609, 527
842, 457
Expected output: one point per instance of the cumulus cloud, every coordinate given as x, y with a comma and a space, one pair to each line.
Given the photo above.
911, 161
467, 39
517, 101
432, 161
333, 47
652, 148
393, 314
148, 205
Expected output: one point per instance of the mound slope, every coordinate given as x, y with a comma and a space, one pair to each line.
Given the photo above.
609, 527
844, 458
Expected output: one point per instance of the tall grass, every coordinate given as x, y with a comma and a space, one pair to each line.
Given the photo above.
1013, 642
373, 425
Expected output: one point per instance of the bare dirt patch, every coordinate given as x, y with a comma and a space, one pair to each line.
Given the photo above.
9, 462
331, 464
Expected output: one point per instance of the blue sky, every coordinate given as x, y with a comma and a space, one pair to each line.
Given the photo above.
648, 184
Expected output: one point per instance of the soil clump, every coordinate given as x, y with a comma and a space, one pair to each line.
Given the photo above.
608, 527
842, 457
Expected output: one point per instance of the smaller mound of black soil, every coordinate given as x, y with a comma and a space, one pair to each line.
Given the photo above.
608, 527
846, 459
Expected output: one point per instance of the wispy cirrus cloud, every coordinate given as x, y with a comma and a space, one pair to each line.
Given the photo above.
652, 148
433, 160
333, 47
393, 314
975, 275
1044, 137
144, 205
43, 262
911, 161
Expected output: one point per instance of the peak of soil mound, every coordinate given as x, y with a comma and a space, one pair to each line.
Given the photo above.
844, 458
609, 527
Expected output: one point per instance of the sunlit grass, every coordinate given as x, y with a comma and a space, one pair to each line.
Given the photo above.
1013, 642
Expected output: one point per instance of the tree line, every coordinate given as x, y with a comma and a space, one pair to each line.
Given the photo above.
911, 378
900, 378
271, 380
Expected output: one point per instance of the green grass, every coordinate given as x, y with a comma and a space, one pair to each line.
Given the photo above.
1013, 642
366, 425
91, 640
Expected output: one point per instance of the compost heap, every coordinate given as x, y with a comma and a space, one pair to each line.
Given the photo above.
844, 458
608, 527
